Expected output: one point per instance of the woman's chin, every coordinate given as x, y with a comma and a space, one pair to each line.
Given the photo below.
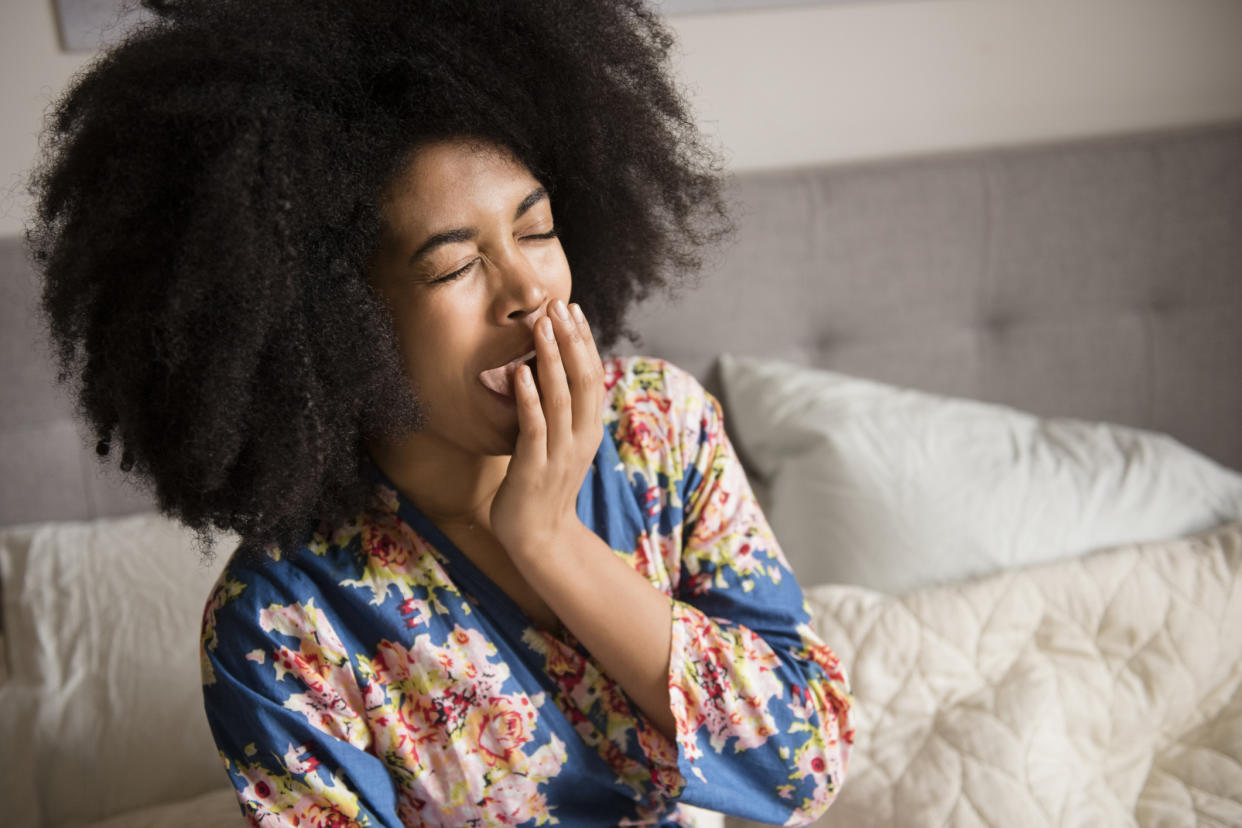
503, 418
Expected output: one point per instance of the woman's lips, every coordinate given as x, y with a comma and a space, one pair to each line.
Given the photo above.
500, 378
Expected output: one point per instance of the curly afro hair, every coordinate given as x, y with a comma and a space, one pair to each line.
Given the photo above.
209, 200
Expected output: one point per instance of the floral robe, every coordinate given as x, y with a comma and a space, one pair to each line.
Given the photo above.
377, 678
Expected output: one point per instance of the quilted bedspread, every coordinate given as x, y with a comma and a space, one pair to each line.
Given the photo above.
1104, 690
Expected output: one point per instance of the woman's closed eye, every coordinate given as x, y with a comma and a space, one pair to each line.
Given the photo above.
459, 272
464, 269
551, 234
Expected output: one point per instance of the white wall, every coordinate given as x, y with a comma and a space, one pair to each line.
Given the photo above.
845, 82
32, 71
876, 79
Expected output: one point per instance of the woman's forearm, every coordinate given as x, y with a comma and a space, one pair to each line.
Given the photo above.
622, 620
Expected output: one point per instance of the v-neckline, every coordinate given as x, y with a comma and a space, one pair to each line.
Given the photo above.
475, 580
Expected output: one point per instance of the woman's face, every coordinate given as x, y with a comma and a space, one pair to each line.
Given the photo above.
467, 264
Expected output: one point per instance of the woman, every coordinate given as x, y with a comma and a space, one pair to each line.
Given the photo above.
302, 259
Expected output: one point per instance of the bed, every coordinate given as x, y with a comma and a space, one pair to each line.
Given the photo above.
991, 404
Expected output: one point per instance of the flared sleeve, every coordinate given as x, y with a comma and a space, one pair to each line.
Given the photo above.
762, 705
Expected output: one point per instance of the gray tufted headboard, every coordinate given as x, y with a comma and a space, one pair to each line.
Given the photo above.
1098, 279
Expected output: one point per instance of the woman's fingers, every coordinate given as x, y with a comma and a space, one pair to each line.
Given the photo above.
553, 385
532, 429
570, 381
594, 418
559, 424
588, 339
583, 369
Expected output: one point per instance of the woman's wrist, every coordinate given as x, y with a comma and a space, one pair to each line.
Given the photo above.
554, 547
629, 632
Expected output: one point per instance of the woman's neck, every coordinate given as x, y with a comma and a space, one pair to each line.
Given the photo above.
447, 484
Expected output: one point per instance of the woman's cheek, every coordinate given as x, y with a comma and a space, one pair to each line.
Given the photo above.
556, 263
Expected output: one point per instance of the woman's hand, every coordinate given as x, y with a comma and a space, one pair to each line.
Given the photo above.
559, 429
535, 517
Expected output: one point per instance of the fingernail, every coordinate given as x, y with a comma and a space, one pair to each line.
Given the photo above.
577, 311
524, 375
558, 307
545, 328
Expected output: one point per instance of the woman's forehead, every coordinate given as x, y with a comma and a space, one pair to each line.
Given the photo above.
453, 179
456, 163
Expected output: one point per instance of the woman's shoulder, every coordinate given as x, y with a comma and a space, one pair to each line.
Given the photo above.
642, 381
256, 577
318, 587
659, 415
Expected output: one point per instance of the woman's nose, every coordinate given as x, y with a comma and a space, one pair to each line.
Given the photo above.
523, 295
529, 319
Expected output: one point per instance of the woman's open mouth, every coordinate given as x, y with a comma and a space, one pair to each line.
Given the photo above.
500, 378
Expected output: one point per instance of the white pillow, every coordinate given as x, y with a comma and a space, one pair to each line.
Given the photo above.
893, 489
102, 709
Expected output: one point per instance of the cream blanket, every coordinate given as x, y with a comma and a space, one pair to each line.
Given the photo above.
1105, 690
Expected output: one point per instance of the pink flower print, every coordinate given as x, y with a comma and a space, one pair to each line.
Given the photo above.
662, 757
669, 549
448, 710
612, 373
652, 500
261, 786
385, 552
723, 666
699, 583
295, 762
226, 589
501, 727
415, 612
714, 521
333, 701
810, 762
646, 434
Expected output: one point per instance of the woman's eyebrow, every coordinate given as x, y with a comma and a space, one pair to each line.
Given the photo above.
462, 234
536, 195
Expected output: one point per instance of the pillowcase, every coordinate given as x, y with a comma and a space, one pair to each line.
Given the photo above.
892, 489
102, 711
